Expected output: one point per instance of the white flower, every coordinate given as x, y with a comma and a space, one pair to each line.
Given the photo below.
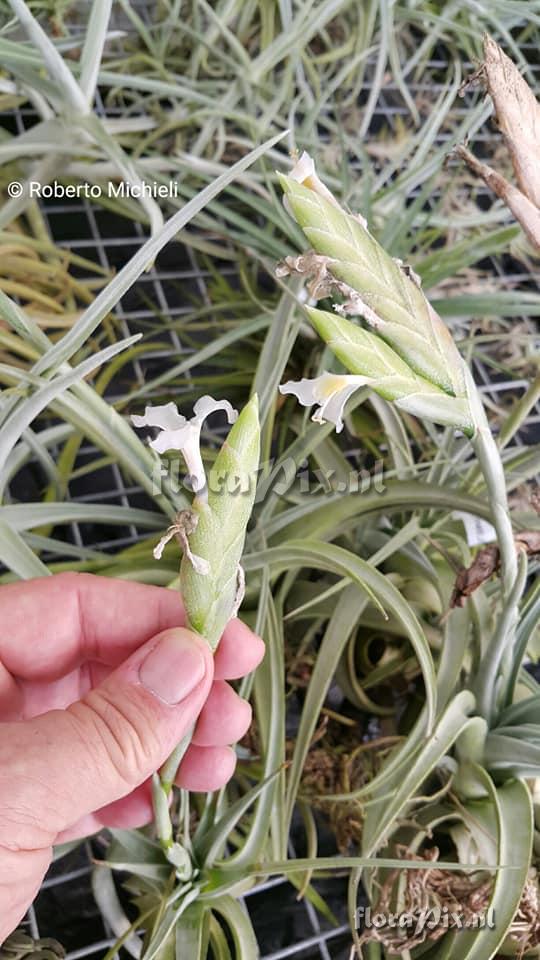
178, 433
304, 172
330, 392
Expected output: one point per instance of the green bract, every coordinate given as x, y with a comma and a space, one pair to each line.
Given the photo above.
367, 354
210, 598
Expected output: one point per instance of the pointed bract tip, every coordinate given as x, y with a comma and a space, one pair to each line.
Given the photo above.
285, 182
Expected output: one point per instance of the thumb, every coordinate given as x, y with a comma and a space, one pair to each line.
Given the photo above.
65, 764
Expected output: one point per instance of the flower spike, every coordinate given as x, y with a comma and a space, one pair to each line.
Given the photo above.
396, 342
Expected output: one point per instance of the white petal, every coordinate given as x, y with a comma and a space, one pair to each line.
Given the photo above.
199, 564
187, 442
173, 439
159, 548
207, 405
330, 391
303, 168
183, 435
165, 416
304, 390
191, 451
332, 409
304, 172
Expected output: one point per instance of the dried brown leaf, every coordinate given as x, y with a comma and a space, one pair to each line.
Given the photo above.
518, 116
524, 210
486, 563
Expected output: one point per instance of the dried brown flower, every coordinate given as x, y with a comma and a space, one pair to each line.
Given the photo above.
486, 563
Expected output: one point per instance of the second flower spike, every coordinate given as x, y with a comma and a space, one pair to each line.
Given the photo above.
404, 351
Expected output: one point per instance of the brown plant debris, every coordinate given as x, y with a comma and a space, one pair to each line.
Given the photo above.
321, 284
449, 899
518, 116
424, 896
525, 212
342, 768
486, 563
525, 929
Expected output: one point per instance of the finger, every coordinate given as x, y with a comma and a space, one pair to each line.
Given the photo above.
39, 696
130, 812
53, 624
84, 827
224, 718
206, 768
64, 765
239, 652
11, 697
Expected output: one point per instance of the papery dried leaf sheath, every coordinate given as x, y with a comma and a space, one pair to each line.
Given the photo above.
524, 210
518, 116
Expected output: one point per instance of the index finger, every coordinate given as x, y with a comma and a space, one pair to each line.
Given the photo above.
51, 625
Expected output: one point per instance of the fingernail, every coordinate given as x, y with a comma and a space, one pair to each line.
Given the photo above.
173, 668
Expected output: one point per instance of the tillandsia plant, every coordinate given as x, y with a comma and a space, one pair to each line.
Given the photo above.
384, 331
199, 88
404, 352
211, 533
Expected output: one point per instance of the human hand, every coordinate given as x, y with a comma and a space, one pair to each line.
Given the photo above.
99, 681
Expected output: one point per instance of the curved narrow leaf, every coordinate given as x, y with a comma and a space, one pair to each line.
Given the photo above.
16, 555
25, 516
322, 514
22, 416
336, 637
191, 933
270, 708
126, 277
239, 924
324, 556
513, 814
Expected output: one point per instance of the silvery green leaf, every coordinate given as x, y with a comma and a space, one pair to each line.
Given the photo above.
507, 816
18, 556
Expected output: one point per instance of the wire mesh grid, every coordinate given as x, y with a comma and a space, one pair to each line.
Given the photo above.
286, 927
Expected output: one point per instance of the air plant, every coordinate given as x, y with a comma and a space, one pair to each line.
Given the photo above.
328, 571
385, 332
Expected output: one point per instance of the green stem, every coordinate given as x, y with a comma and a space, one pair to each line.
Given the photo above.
162, 785
170, 768
499, 655
490, 462
499, 660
